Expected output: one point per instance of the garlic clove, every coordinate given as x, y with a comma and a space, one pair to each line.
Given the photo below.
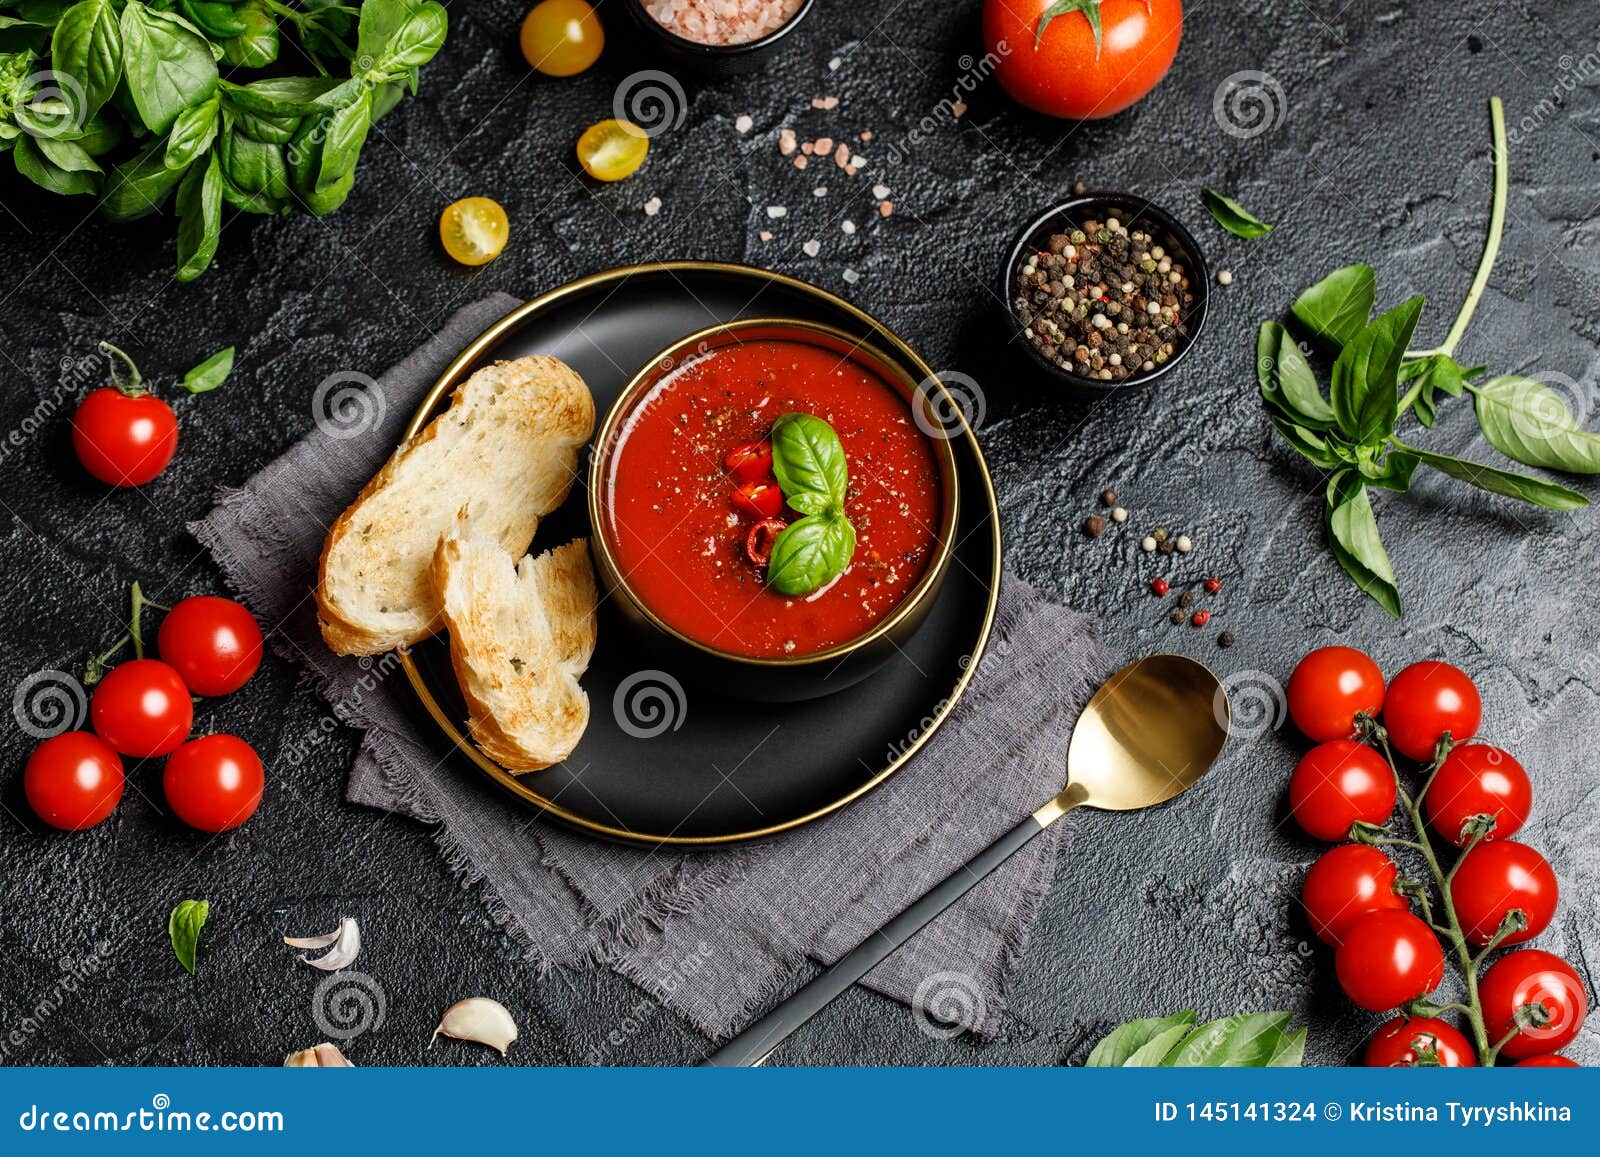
478, 1019
346, 946
322, 1056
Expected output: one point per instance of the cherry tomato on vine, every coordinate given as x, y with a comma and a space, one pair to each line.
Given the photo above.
124, 439
1337, 783
1477, 779
1548, 1061
211, 642
73, 780
474, 230
1419, 1042
561, 37
610, 150
1063, 69
1328, 687
213, 783
142, 708
759, 499
1529, 976
1344, 885
1388, 958
751, 462
1426, 700
1492, 879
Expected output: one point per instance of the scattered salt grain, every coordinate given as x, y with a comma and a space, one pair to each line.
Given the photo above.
786, 141
808, 147
880, 191
765, 235
652, 206
851, 276
820, 191
833, 65
958, 108
885, 208
824, 144
865, 134
825, 102
857, 161
776, 211
841, 155
744, 124
720, 22
812, 248
801, 161
848, 226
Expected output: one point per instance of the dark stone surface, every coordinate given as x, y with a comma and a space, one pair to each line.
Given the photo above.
1381, 155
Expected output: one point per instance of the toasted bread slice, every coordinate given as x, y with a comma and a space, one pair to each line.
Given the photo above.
520, 635
508, 445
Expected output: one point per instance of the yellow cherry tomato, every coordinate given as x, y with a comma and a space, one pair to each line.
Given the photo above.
611, 150
474, 230
562, 37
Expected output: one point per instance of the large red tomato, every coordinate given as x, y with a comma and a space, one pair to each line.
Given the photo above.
1494, 878
1388, 958
1426, 700
1058, 70
1477, 779
1530, 976
1408, 1042
1337, 783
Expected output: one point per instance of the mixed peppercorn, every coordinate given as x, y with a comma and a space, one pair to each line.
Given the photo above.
1103, 301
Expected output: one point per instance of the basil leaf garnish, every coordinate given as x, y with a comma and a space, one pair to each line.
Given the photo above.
1287, 381
1232, 216
1336, 308
166, 63
183, 927
1247, 1040
209, 374
1504, 482
1125, 1041
810, 553
807, 457
1529, 422
808, 460
1353, 536
1366, 374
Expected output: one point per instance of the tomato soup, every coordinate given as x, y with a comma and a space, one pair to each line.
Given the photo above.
681, 538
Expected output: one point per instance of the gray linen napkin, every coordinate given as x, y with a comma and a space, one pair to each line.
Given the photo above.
713, 935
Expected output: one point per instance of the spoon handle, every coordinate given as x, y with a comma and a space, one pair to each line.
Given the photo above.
761, 1039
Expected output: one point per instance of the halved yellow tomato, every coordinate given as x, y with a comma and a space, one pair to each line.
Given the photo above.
612, 149
474, 230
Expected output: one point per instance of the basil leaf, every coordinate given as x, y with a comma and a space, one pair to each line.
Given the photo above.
255, 167
1291, 1051
810, 553
1336, 308
87, 46
1125, 1041
257, 45
218, 21
807, 457
1287, 381
1307, 443
1365, 384
192, 134
138, 187
199, 227
294, 96
33, 164
346, 133
1504, 482
1530, 423
272, 130
168, 65
377, 25
413, 44
1353, 537
1248, 1040
183, 928
1232, 216
68, 155
1432, 373
1391, 470
212, 372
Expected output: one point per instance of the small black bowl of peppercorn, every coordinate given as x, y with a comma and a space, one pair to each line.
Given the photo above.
1105, 291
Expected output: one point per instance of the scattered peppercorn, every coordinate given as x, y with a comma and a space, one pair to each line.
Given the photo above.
1200, 618
1148, 544
1213, 585
1094, 526
1167, 546
1119, 515
1108, 497
1186, 598
1185, 545
1159, 534
1226, 639
1224, 277
1160, 586
1178, 616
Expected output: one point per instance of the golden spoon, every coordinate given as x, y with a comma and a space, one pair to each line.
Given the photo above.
1151, 731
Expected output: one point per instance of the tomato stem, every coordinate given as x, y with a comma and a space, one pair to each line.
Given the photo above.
133, 386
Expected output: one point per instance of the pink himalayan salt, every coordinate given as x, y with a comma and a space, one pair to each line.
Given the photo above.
720, 22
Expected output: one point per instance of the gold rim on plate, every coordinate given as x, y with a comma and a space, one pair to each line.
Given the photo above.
470, 356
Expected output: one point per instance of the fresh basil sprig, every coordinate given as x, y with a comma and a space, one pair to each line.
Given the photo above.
1351, 432
1248, 1040
809, 462
1232, 216
123, 99
183, 929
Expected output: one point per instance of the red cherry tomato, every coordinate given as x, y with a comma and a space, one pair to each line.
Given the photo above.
1548, 1061
213, 643
751, 462
142, 708
1388, 958
1328, 687
1337, 783
73, 781
122, 440
1529, 976
1494, 878
1477, 779
1346, 884
759, 499
213, 783
1062, 73
1419, 1042
1426, 700
758, 543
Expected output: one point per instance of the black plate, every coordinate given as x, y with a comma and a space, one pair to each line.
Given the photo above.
665, 762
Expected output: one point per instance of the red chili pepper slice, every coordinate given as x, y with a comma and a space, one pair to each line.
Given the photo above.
759, 499
758, 543
751, 462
